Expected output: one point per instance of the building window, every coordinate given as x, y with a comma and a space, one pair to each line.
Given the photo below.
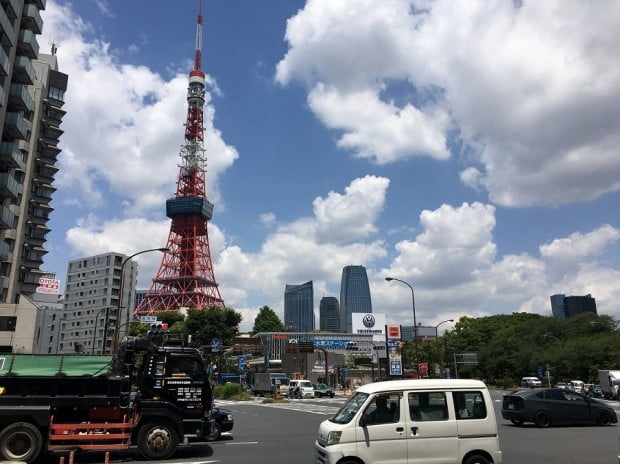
7, 323
56, 93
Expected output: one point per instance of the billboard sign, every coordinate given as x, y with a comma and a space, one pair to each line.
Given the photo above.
369, 324
48, 286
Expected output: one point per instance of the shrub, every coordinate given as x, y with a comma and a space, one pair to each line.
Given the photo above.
230, 390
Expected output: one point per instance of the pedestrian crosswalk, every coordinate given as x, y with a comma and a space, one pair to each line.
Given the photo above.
322, 406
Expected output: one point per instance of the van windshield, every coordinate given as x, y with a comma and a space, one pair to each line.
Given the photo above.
350, 408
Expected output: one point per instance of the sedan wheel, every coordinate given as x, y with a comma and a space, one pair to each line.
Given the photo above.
603, 418
542, 419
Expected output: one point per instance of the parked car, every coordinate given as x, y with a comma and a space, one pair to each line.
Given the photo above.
320, 390
576, 385
561, 385
531, 382
554, 406
223, 422
301, 389
595, 391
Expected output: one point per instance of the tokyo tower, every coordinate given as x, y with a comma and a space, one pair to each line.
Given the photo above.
185, 278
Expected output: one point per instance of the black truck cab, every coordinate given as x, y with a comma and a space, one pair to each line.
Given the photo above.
149, 396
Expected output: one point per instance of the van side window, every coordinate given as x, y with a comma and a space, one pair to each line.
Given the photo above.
428, 406
384, 409
469, 405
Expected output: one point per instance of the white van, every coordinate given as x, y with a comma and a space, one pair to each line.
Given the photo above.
531, 382
577, 386
301, 389
412, 421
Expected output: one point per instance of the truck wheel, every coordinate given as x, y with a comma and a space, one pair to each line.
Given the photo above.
157, 440
216, 432
20, 441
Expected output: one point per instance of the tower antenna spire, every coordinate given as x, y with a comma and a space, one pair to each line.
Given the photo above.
198, 52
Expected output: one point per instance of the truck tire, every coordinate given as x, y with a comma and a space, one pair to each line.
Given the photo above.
216, 432
20, 441
157, 440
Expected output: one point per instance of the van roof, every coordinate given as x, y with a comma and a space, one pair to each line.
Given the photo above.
389, 385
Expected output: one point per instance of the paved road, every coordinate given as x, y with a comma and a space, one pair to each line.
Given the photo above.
526, 444
285, 432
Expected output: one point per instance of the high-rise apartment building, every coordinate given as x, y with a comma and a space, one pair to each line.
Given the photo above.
354, 295
329, 316
31, 99
564, 307
92, 300
299, 307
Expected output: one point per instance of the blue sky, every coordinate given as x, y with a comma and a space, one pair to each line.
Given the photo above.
469, 148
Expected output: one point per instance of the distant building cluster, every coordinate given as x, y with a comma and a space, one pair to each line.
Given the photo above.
334, 316
565, 307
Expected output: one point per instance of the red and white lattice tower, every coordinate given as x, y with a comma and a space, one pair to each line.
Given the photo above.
185, 278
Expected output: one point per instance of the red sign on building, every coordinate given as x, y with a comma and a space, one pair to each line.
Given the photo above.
393, 332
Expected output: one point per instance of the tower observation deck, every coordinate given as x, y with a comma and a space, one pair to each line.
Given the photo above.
185, 278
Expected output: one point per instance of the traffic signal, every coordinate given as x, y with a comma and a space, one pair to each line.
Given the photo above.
352, 346
157, 329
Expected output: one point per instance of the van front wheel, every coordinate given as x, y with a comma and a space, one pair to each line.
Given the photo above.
477, 459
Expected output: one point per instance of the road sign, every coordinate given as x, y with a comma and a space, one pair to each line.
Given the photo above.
215, 345
241, 363
148, 319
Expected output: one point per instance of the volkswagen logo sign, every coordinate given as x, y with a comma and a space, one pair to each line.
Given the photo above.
369, 320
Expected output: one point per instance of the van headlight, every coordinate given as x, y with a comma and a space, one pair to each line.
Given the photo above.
333, 438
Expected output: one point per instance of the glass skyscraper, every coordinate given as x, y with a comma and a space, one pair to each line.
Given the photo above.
299, 307
329, 317
354, 295
564, 307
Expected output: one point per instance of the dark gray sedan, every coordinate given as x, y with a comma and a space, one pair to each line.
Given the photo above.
554, 406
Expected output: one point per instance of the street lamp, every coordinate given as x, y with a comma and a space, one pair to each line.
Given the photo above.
415, 323
437, 339
120, 296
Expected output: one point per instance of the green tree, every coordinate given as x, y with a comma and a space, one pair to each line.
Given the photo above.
170, 317
206, 325
267, 321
